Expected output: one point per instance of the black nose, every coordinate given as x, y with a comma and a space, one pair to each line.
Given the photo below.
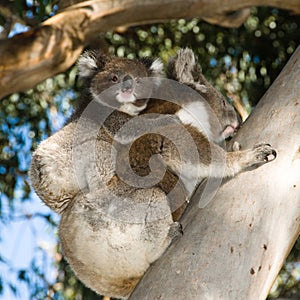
127, 83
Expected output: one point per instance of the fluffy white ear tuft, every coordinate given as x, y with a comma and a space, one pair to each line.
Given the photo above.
87, 64
157, 68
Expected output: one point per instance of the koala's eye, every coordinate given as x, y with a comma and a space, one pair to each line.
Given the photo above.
114, 78
137, 80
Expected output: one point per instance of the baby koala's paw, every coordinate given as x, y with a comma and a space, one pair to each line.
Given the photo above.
263, 153
201, 87
236, 146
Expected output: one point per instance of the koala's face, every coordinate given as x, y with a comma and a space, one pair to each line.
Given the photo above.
129, 93
119, 82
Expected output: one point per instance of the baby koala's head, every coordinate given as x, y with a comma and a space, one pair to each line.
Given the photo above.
122, 78
184, 68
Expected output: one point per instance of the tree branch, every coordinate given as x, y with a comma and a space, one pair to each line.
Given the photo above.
31, 57
235, 246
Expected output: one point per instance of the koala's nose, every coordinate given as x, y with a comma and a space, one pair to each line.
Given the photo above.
127, 83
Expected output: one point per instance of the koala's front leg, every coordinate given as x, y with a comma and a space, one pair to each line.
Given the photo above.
238, 160
228, 164
213, 161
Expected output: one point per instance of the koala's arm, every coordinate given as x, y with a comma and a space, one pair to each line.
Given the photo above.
51, 171
209, 159
235, 162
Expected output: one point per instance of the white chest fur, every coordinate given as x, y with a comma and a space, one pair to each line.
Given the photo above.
195, 114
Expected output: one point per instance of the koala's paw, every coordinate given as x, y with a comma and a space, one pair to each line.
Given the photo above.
200, 87
175, 230
263, 153
236, 146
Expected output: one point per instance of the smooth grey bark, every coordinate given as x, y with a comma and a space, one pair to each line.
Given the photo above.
235, 246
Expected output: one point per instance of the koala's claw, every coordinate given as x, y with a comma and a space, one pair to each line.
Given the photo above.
236, 146
175, 230
264, 152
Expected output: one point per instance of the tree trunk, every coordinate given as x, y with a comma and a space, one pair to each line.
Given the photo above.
31, 57
234, 247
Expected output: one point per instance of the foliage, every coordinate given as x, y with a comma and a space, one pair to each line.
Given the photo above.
241, 62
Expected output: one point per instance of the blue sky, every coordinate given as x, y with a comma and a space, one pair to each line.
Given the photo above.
24, 239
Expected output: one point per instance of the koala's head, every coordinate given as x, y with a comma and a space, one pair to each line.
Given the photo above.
184, 68
123, 78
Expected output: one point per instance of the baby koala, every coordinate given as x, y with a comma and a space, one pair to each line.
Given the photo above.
208, 118
120, 191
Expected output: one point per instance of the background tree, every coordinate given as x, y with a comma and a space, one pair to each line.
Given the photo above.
242, 62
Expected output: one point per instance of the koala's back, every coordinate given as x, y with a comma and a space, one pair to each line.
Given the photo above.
110, 241
51, 171
110, 232
61, 166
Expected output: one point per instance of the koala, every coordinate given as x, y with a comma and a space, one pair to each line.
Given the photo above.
209, 119
120, 192
109, 232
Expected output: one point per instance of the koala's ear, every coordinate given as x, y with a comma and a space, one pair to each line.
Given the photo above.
157, 68
181, 65
154, 67
90, 62
184, 68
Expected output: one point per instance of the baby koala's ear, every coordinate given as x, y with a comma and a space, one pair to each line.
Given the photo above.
184, 68
180, 66
155, 67
91, 62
